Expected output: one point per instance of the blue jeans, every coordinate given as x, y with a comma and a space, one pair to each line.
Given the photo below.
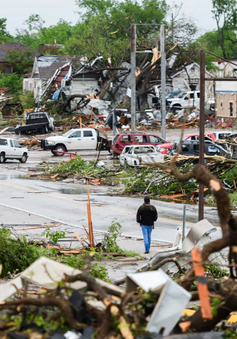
146, 230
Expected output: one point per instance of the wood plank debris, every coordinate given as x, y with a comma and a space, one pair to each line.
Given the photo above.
201, 283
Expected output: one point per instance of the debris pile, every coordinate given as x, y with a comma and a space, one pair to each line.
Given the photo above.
69, 300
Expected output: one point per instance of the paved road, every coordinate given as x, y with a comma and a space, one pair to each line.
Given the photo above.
37, 202
66, 203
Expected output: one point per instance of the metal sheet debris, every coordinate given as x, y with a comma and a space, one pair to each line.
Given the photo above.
47, 273
171, 303
196, 232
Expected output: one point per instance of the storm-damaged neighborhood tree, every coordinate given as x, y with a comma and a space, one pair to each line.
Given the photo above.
20, 61
30, 35
4, 34
105, 30
225, 289
225, 14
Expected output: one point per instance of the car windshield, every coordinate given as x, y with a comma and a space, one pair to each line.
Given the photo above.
182, 95
67, 133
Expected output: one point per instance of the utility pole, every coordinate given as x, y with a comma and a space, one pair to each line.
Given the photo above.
133, 78
201, 131
163, 81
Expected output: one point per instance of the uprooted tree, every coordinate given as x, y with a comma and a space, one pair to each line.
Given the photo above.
105, 30
228, 223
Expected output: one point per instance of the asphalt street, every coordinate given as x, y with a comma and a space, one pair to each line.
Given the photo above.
34, 202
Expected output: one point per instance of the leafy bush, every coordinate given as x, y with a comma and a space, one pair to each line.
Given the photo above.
20, 255
15, 255
53, 236
215, 271
13, 81
78, 262
27, 99
230, 175
110, 238
72, 165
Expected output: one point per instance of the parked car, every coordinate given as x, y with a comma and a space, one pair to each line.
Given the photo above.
163, 148
195, 136
142, 155
37, 122
221, 135
11, 149
136, 138
75, 140
191, 148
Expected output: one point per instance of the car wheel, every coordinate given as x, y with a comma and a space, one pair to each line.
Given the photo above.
24, 158
59, 148
2, 157
125, 163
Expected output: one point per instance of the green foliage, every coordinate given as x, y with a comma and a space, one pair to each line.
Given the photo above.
110, 238
230, 334
61, 33
15, 255
21, 62
158, 183
76, 166
5, 232
4, 34
105, 28
73, 165
27, 99
230, 175
99, 272
78, 262
20, 255
53, 236
13, 81
233, 198
215, 271
215, 305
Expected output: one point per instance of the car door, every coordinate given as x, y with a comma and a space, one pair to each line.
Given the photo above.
74, 141
213, 150
15, 149
186, 149
89, 139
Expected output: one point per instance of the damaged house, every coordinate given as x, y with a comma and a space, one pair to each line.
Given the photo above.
188, 79
48, 70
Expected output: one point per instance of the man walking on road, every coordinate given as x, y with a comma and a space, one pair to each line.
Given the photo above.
146, 216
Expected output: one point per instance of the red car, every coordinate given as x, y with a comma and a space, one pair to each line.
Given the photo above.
163, 148
136, 138
195, 136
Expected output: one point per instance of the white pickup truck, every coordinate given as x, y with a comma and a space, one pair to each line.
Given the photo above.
184, 100
11, 149
75, 140
188, 100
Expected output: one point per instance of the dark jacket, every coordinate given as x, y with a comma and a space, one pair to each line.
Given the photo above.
147, 215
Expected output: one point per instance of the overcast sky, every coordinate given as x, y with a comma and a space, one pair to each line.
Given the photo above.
17, 11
